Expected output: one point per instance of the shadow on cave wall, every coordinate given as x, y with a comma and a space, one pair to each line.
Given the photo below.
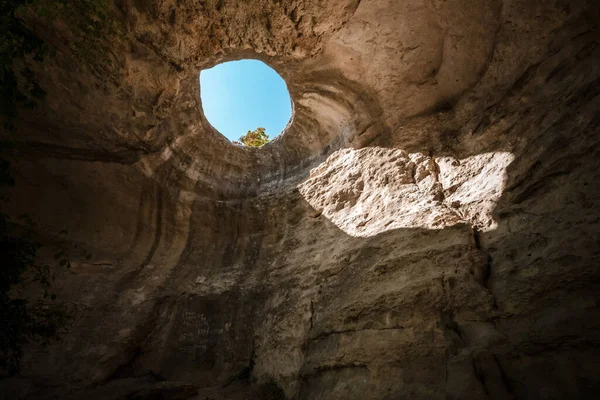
201, 322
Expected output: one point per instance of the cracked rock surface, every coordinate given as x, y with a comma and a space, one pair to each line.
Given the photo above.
425, 228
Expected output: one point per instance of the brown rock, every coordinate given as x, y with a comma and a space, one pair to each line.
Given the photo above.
426, 227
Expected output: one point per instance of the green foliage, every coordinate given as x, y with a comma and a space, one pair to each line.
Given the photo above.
26, 321
89, 22
91, 30
38, 317
17, 41
255, 138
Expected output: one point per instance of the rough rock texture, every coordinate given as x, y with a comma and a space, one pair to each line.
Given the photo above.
426, 228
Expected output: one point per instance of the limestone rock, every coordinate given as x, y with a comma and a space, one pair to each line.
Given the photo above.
426, 227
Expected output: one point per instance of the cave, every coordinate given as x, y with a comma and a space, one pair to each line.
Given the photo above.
423, 229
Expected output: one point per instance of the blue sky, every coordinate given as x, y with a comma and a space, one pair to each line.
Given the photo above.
239, 96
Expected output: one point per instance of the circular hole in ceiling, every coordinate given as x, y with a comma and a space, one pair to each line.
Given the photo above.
242, 96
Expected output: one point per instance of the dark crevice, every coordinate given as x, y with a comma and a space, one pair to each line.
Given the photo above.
158, 233
542, 183
245, 373
451, 325
127, 368
294, 15
131, 275
521, 81
148, 42
487, 271
504, 379
487, 268
477, 239
345, 331
480, 377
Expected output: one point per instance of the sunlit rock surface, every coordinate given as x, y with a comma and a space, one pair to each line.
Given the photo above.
426, 228
373, 190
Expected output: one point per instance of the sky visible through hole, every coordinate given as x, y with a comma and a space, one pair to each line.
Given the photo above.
239, 96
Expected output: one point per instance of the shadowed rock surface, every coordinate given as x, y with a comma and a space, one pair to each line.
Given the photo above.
426, 228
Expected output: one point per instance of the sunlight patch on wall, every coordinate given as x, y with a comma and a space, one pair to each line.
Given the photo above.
373, 190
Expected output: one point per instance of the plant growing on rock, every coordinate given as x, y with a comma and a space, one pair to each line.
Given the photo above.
17, 41
255, 138
29, 310
90, 27
36, 317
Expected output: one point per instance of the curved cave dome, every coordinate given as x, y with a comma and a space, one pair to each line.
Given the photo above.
245, 95
426, 228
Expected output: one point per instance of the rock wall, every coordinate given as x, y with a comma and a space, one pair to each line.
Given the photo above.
426, 227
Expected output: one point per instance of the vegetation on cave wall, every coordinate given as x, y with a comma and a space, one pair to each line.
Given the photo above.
30, 311
37, 316
89, 23
33, 313
255, 138
17, 41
